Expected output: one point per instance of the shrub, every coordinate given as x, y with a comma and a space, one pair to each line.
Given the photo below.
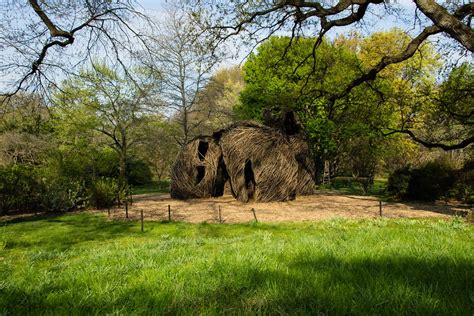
104, 192
428, 183
464, 186
431, 181
62, 194
398, 182
138, 172
19, 189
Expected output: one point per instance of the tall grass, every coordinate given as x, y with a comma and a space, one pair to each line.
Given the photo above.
86, 264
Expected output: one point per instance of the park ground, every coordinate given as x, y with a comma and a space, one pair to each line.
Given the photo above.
324, 254
322, 206
86, 263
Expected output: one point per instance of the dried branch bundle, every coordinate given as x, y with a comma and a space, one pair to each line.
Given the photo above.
258, 162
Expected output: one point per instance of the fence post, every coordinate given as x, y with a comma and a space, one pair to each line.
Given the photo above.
169, 213
380, 208
254, 215
220, 215
126, 208
142, 218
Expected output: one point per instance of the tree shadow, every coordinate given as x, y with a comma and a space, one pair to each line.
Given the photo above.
306, 285
436, 207
69, 229
27, 217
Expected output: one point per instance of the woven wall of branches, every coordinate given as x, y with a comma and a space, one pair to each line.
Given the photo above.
260, 163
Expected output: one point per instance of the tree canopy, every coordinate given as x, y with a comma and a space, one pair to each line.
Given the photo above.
353, 127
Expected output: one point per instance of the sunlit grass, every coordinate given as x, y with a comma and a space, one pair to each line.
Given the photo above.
155, 187
349, 185
83, 263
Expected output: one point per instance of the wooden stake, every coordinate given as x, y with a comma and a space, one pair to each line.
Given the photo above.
126, 208
141, 212
254, 215
220, 215
169, 213
380, 208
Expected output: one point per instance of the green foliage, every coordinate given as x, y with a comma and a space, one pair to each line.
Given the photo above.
450, 117
275, 84
428, 183
89, 264
464, 186
347, 131
139, 172
19, 188
62, 194
104, 192
26, 188
431, 181
398, 182
103, 106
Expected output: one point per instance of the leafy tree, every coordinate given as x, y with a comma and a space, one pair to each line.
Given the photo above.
103, 103
446, 120
215, 107
159, 149
256, 21
349, 128
24, 130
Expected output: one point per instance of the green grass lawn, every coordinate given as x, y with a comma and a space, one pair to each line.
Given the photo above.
155, 187
86, 264
349, 185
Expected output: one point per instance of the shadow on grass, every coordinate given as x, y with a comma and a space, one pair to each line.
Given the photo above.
314, 285
68, 229
30, 217
60, 232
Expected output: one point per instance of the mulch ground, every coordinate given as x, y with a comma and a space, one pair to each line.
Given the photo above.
327, 205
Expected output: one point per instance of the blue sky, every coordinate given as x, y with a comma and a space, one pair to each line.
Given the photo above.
376, 22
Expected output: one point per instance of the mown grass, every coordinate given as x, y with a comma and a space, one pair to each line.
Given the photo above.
86, 264
155, 187
351, 186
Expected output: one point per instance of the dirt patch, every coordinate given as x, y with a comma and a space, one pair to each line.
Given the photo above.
306, 208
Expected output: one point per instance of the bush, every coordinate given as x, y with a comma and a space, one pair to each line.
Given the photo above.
62, 194
398, 182
25, 188
139, 172
464, 186
104, 192
428, 183
19, 189
431, 181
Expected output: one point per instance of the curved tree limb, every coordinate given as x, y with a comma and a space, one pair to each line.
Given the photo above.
463, 144
449, 23
96, 14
